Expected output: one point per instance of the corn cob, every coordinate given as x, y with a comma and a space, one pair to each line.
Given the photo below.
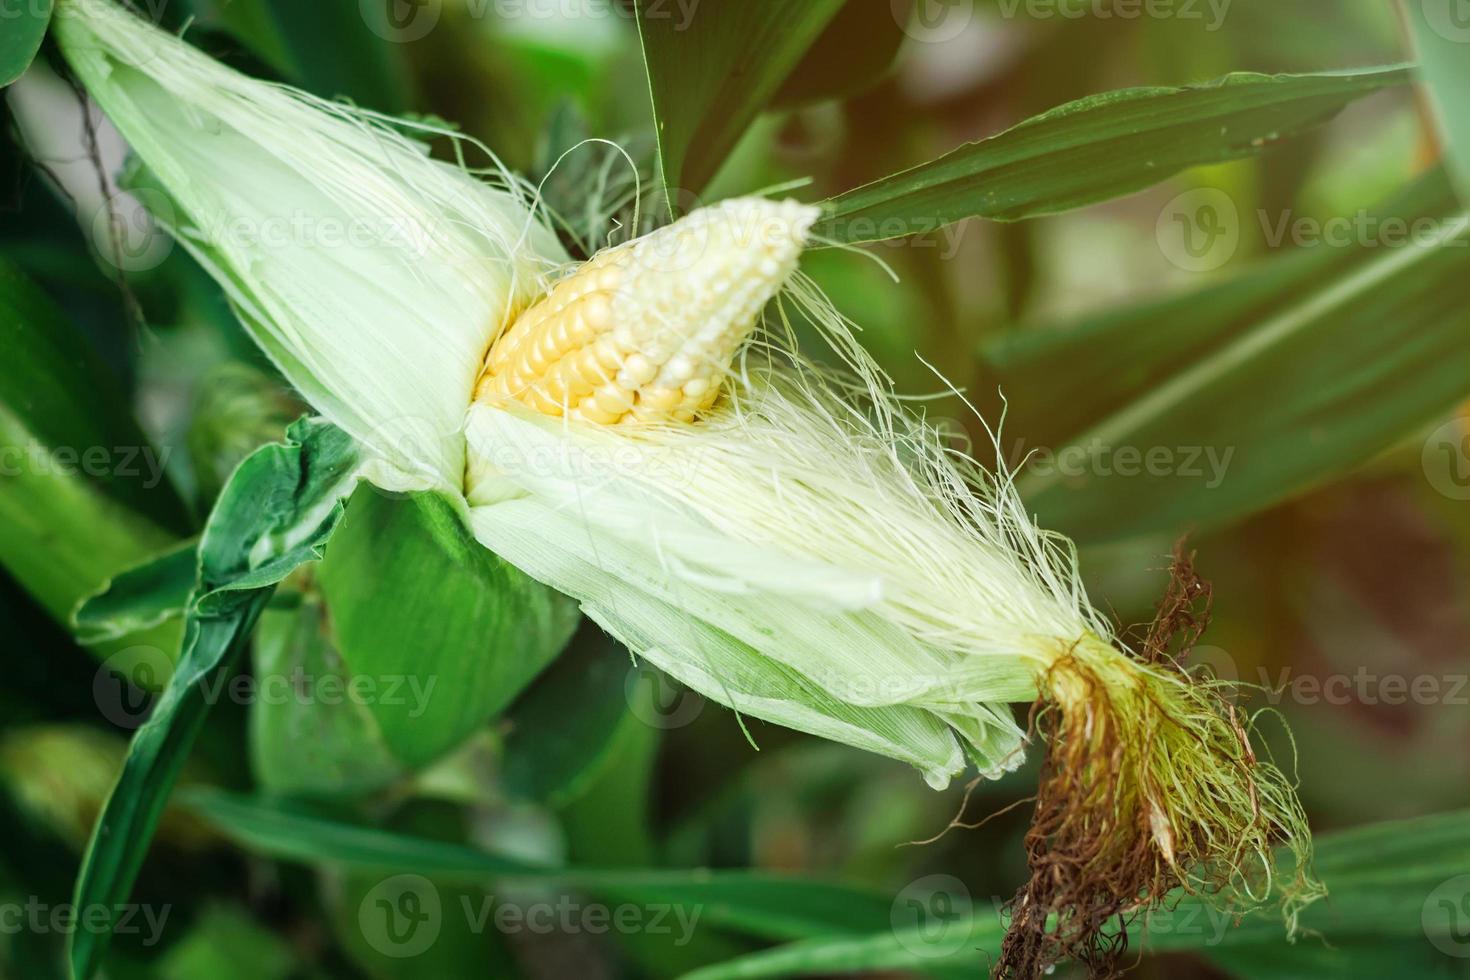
646, 331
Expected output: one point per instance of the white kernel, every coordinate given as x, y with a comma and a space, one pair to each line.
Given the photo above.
678, 370
637, 370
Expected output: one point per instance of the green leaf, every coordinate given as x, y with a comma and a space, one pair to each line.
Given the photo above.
227, 944
611, 821
364, 60
760, 904
276, 514
25, 26
1368, 960
567, 727
854, 53
1285, 377
83, 494
906, 949
310, 732
1096, 148
712, 70
1442, 38
140, 597
237, 410
55, 386
1378, 879
422, 612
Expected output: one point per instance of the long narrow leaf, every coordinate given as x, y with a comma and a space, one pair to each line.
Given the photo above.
712, 70
1096, 148
1355, 348
766, 905
277, 512
83, 494
1379, 879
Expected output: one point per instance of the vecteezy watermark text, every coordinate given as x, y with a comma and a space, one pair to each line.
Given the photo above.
1363, 686
938, 21
98, 462
123, 682
405, 21
1201, 230
1210, 13
1205, 464
402, 916
126, 919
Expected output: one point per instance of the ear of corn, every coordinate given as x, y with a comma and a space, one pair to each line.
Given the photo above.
646, 331
805, 549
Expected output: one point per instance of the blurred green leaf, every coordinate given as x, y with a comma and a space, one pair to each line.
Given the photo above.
611, 821
310, 733
1442, 39
464, 942
140, 597
1368, 960
711, 70
226, 944
55, 387
1096, 148
768, 905
568, 725
25, 26
892, 950
1237, 396
1379, 879
276, 514
59, 774
422, 612
589, 185
854, 53
237, 410
82, 491
361, 61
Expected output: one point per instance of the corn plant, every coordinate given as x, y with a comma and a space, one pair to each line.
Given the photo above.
501, 413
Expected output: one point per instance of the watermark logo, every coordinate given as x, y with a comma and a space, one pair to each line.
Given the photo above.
1450, 19
1366, 687
933, 21
124, 684
1446, 917
933, 917
1199, 230
406, 21
400, 21
1212, 663
401, 916
128, 230
151, 10
414, 448
1209, 13
659, 701
1446, 459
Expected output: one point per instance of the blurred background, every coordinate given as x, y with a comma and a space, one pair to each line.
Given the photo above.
1342, 593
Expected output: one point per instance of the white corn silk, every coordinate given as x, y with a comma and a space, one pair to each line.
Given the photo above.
809, 552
